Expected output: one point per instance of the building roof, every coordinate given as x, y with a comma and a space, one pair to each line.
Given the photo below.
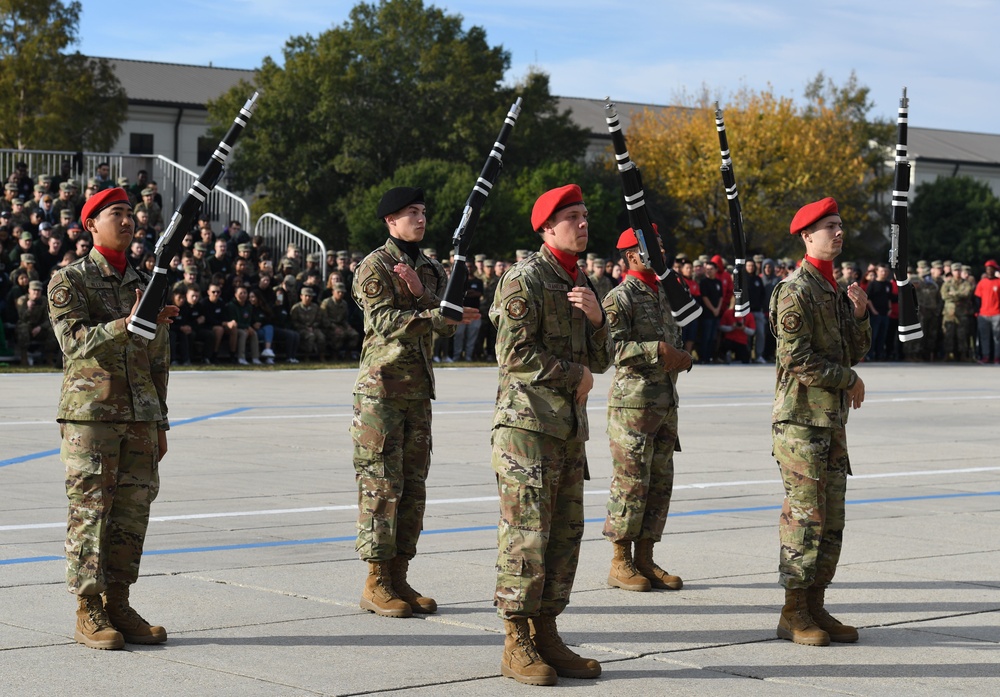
590, 113
171, 84
928, 144
960, 147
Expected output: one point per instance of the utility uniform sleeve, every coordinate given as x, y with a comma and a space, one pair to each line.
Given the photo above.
797, 331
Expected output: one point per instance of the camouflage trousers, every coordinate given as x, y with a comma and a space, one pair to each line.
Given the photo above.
540, 480
814, 468
341, 337
642, 453
392, 454
311, 341
956, 339
112, 477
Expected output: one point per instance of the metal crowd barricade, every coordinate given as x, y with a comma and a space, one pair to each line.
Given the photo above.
172, 179
278, 233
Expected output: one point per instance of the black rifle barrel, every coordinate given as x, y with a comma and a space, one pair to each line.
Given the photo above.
143, 322
454, 294
740, 284
683, 307
909, 318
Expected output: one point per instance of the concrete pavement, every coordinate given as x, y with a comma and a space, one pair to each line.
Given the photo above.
250, 560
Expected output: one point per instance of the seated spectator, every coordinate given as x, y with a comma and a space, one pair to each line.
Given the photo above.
307, 321
239, 320
33, 325
341, 338
212, 329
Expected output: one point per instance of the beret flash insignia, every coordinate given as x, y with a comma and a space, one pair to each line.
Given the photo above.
60, 297
517, 308
791, 322
372, 287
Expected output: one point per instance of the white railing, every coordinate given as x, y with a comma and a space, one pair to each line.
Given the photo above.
278, 233
173, 180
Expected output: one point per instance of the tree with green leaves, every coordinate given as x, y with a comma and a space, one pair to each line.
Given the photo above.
49, 99
397, 84
954, 218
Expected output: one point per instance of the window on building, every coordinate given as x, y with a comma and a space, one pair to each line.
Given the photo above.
206, 146
140, 143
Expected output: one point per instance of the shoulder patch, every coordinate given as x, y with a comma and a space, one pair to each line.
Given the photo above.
60, 297
791, 322
372, 287
517, 308
613, 319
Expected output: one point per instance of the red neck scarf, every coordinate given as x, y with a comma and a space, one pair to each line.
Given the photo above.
566, 260
116, 259
647, 277
824, 267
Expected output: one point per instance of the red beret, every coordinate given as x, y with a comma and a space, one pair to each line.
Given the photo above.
627, 240
992, 263
554, 200
811, 212
98, 202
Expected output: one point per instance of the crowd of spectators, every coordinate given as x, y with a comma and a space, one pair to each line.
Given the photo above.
243, 302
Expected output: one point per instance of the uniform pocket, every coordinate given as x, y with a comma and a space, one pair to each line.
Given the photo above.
369, 444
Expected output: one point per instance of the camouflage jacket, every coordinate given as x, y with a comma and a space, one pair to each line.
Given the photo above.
32, 317
602, 286
335, 313
109, 374
819, 340
306, 317
543, 344
639, 319
957, 298
399, 327
928, 297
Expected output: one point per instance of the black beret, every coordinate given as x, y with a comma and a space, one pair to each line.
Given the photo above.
398, 198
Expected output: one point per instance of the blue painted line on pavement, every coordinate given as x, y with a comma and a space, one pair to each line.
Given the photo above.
173, 424
484, 528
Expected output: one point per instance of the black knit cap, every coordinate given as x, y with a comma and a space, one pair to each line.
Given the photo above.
398, 198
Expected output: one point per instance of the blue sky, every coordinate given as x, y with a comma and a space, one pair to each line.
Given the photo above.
651, 51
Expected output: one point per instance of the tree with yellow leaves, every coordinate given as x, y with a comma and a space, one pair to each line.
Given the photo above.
784, 156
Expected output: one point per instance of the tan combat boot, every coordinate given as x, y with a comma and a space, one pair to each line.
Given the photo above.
520, 658
416, 601
658, 578
553, 651
93, 628
838, 631
379, 596
623, 574
133, 628
796, 624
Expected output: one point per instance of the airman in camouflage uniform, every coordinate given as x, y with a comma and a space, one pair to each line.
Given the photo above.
113, 419
956, 298
600, 280
642, 421
341, 337
551, 337
822, 331
33, 323
307, 320
930, 306
399, 290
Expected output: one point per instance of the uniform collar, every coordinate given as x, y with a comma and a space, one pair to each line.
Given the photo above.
107, 270
397, 252
551, 258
